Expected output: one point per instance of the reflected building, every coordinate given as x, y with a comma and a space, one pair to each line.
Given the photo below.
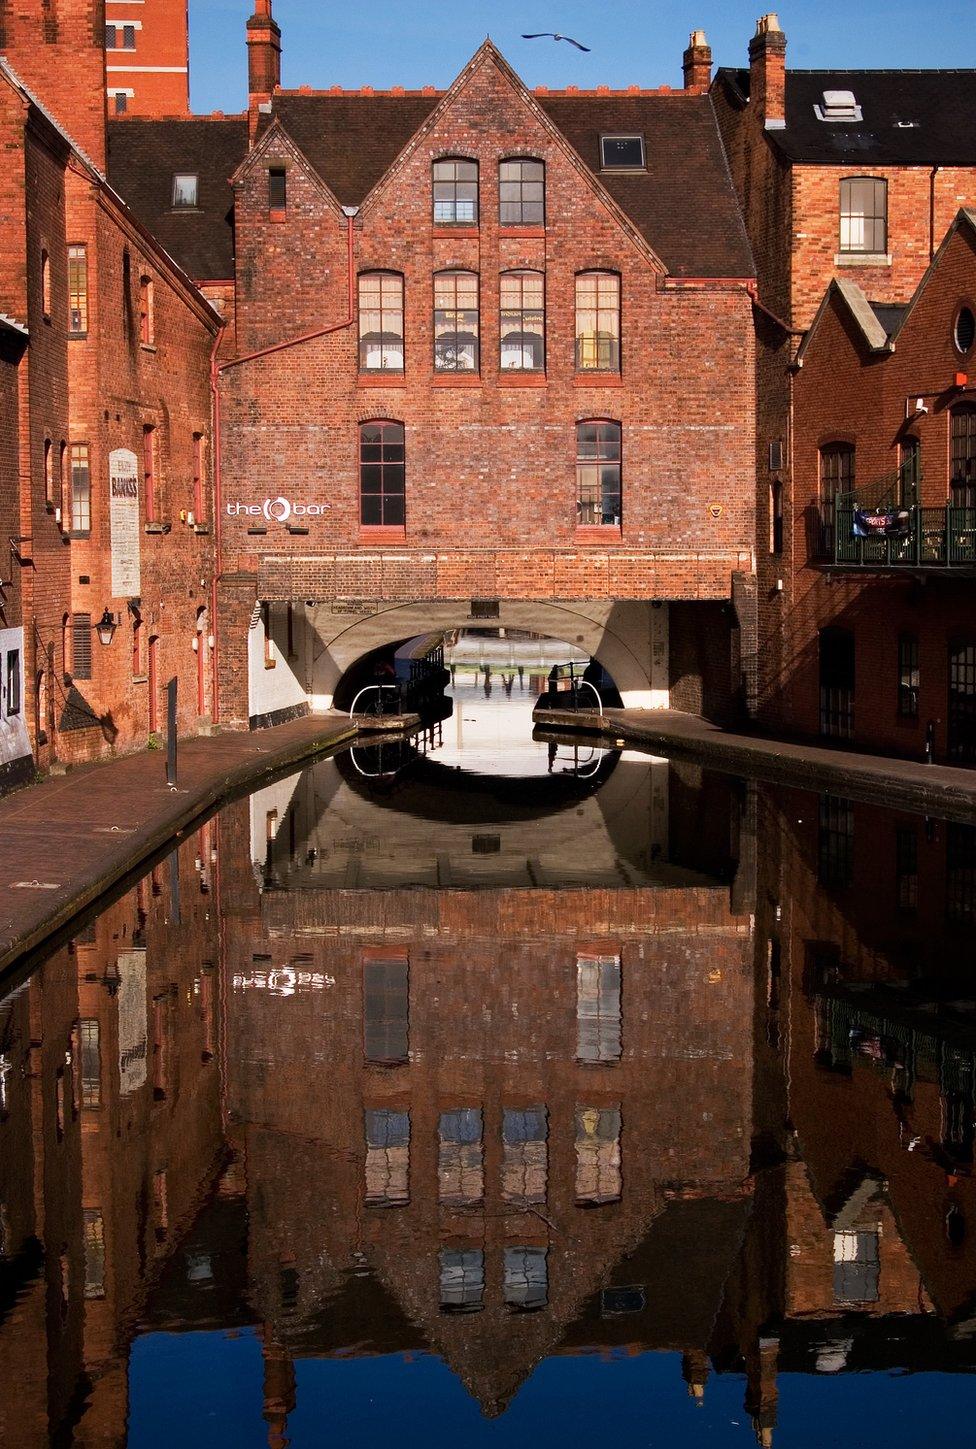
706, 1103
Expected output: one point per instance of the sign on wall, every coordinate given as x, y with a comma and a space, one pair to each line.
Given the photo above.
123, 486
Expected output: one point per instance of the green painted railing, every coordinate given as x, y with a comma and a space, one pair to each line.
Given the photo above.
932, 538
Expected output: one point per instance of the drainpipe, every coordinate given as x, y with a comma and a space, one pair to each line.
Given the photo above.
216, 370
932, 175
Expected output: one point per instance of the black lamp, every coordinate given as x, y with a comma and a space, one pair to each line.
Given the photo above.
106, 626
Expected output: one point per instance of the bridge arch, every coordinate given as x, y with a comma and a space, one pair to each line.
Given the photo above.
628, 639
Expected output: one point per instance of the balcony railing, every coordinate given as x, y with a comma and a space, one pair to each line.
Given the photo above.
909, 538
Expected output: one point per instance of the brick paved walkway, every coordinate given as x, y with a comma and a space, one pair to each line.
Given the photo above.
64, 842
942, 789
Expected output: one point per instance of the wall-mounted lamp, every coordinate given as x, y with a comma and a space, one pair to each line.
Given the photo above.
106, 627
920, 405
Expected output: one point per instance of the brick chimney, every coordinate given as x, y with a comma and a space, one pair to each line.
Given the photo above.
59, 53
767, 73
697, 63
263, 57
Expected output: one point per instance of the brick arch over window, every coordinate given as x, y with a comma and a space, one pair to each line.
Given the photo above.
616, 634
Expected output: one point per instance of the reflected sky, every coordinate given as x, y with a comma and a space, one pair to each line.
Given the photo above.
503, 1105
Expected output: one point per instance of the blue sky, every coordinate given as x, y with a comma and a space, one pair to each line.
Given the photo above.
426, 42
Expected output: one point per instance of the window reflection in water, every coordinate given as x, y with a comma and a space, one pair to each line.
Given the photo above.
598, 1178
525, 1154
460, 1168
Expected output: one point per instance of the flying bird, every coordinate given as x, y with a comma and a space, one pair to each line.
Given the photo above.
551, 35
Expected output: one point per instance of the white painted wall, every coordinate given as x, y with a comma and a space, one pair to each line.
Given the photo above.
286, 683
14, 743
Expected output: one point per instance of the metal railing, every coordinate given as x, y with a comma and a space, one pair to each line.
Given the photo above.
918, 537
381, 701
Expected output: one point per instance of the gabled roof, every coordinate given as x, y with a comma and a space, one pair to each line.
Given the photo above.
143, 158
880, 323
277, 138
864, 315
683, 208
908, 117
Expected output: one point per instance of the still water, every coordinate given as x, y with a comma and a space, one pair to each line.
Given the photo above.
497, 1093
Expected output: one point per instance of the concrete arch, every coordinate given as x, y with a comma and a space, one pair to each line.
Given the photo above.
629, 639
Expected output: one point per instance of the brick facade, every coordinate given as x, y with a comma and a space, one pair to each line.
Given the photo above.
152, 73
789, 186
88, 380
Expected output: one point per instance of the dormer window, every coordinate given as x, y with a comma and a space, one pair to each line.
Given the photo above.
185, 189
838, 106
622, 153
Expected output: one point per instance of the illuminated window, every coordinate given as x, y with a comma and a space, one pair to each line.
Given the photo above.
598, 483
80, 489
78, 290
523, 321
598, 1175
456, 322
381, 322
598, 322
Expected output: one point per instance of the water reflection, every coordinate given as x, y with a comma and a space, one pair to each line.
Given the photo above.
677, 1080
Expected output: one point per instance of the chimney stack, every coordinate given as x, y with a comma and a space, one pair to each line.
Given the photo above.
697, 63
263, 55
767, 73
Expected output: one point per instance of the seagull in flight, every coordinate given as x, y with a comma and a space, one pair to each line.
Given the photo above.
551, 35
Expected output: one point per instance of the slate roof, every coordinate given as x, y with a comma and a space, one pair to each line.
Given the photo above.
684, 206
889, 314
940, 103
144, 156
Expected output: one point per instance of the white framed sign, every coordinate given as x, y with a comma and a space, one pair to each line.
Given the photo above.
123, 498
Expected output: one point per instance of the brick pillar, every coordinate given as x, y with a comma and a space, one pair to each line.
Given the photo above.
59, 54
263, 59
767, 73
697, 63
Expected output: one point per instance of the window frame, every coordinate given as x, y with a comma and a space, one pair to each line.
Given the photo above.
909, 675
599, 462
382, 311
13, 684
867, 219
841, 450
277, 190
79, 463
150, 465
639, 136
599, 309
82, 654
456, 274
962, 455
184, 176
384, 465
521, 312
521, 182
78, 295
147, 311
454, 182
199, 477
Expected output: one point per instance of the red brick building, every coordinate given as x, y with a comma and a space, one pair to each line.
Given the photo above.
880, 631
147, 57
851, 175
478, 335
106, 452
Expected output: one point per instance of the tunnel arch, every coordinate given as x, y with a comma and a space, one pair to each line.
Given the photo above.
619, 635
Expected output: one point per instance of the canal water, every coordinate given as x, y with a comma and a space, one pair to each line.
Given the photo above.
492, 1091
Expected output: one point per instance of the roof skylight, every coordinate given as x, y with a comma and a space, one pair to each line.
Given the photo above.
838, 106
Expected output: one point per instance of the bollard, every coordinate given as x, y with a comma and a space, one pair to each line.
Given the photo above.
171, 689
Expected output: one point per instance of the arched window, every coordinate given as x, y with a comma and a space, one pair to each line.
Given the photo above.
521, 192
523, 321
456, 322
49, 472
382, 475
598, 448
864, 215
963, 452
455, 184
598, 322
836, 470
381, 322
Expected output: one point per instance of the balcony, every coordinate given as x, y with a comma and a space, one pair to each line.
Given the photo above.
846, 534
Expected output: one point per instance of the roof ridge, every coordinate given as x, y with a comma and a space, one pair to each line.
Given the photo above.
873, 70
